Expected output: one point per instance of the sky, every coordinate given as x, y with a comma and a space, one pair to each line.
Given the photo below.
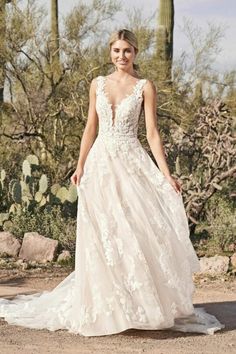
200, 12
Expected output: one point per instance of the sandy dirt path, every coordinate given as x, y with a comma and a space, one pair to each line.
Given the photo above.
218, 297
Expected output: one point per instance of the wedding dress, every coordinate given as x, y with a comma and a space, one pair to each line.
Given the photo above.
134, 259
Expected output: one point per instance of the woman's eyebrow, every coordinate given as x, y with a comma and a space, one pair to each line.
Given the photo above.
121, 48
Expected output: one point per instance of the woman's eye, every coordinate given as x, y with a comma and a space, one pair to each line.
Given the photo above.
117, 50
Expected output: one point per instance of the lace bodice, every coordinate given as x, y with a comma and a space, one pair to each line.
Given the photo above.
124, 120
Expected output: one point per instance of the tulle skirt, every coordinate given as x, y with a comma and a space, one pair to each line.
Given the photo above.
134, 259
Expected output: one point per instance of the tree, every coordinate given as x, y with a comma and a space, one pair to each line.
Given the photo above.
205, 157
47, 116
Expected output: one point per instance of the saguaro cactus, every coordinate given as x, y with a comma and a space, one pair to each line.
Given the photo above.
54, 42
2, 46
2, 50
165, 31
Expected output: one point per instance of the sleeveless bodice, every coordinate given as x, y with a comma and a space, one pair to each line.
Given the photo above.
124, 121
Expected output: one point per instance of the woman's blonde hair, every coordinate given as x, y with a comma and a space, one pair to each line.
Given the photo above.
127, 36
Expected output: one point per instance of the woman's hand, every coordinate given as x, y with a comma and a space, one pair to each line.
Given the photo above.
175, 184
75, 178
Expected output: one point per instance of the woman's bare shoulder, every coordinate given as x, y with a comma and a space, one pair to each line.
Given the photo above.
93, 84
96, 78
149, 86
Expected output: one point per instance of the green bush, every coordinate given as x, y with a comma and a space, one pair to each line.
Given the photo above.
217, 234
48, 222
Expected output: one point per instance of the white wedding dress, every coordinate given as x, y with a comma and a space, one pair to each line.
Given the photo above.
134, 258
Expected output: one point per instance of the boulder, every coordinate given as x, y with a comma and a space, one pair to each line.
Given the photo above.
214, 265
9, 244
64, 256
233, 260
36, 247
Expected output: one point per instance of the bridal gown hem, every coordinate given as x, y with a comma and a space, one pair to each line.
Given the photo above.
134, 258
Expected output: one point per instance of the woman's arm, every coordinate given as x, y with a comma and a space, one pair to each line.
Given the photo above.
153, 135
89, 134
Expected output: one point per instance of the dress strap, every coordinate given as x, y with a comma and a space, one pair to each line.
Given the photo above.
100, 84
138, 91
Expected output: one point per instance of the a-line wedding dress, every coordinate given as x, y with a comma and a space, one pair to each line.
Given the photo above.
134, 259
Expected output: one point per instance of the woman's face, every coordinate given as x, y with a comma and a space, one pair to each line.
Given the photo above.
122, 55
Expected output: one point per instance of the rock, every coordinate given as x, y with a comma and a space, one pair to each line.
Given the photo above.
36, 247
64, 256
33, 263
203, 280
25, 266
19, 262
214, 265
233, 260
44, 261
9, 244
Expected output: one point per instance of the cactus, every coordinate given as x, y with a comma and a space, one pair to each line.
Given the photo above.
32, 159
25, 190
38, 197
32, 190
26, 168
43, 184
11, 184
31, 183
17, 193
3, 176
1, 190
2, 47
43, 201
62, 194
3, 217
165, 39
72, 194
29, 189
14, 208
55, 187
25, 202
54, 42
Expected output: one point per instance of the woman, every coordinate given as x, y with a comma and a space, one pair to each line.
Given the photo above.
134, 258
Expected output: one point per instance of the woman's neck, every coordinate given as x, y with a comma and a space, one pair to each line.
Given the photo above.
121, 74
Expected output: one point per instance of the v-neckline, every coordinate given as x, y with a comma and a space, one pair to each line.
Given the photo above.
114, 109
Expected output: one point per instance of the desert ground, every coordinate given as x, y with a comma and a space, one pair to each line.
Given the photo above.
217, 295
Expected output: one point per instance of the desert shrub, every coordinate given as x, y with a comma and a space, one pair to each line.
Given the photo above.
48, 222
217, 234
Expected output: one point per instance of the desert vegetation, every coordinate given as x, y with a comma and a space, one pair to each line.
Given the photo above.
44, 82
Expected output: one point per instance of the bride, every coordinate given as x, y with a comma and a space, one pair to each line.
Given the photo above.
134, 259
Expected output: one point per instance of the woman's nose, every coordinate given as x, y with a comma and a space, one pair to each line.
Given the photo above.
122, 55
